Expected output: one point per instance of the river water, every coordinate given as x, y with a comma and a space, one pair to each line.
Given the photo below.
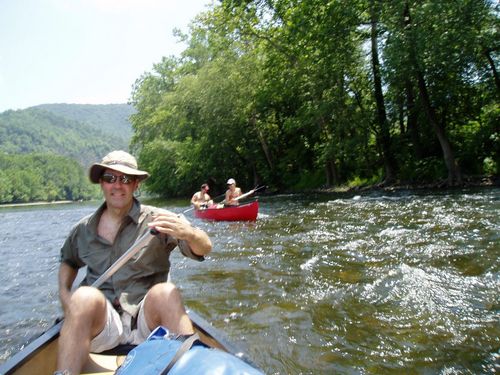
376, 283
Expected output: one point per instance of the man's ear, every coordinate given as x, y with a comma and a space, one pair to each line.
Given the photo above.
137, 190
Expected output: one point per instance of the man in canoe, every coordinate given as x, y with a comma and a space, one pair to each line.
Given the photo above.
201, 199
232, 193
138, 297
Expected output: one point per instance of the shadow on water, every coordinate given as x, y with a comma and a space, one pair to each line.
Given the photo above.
373, 283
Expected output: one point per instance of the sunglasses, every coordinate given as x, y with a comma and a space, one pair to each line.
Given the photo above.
110, 178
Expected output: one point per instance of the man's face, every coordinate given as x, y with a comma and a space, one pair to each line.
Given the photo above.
118, 194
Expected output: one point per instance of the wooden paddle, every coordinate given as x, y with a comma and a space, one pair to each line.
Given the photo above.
248, 193
138, 245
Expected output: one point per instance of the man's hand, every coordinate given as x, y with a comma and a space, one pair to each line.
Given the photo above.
180, 228
172, 224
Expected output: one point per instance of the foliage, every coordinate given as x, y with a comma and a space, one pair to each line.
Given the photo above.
79, 135
109, 118
37, 130
309, 94
48, 178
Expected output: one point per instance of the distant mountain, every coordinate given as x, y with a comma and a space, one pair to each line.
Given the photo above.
82, 132
110, 118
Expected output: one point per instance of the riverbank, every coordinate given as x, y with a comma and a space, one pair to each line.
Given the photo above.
468, 182
33, 204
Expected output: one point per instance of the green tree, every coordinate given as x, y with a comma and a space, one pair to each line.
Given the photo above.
306, 94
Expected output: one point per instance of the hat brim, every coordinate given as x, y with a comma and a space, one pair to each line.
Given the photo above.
97, 169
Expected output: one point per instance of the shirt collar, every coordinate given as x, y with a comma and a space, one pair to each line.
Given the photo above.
135, 211
134, 214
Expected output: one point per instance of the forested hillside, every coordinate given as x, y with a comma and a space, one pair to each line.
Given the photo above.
109, 118
315, 94
42, 131
42, 177
45, 151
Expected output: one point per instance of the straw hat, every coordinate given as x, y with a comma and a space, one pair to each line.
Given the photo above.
120, 161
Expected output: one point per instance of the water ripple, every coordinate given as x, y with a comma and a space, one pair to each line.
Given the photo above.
373, 283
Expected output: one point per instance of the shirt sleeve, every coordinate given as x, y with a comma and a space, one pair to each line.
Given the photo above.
183, 247
69, 251
188, 252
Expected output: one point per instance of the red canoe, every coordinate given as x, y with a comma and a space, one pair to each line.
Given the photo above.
243, 212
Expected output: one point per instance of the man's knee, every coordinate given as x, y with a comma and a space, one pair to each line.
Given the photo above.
163, 297
163, 306
162, 291
86, 299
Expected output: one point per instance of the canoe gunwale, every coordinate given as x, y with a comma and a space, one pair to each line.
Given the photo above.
209, 335
31, 349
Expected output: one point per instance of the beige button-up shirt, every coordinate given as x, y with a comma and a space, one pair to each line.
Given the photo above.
151, 265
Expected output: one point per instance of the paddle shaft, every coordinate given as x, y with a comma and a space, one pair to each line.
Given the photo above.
249, 193
138, 245
244, 195
192, 208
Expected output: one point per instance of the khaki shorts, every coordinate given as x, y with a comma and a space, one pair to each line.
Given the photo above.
117, 330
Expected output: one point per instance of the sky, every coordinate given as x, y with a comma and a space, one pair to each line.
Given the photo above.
85, 51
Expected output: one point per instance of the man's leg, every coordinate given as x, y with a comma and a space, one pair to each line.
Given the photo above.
164, 306
84, 320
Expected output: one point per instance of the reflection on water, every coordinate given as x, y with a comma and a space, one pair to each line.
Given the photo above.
320, 284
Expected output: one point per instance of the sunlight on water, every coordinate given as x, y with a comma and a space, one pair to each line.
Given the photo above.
370, 283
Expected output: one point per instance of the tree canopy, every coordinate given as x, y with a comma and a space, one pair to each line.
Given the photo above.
313, 94
42, 177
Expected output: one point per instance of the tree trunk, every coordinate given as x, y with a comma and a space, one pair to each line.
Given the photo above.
493, 69
255, 173
412, 121
332, 178
454, 175
263, 143
401, 113
383, 125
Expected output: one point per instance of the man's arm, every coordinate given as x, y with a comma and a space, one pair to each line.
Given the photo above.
67, 275
180, 228
199, 241
195, 201
227, 197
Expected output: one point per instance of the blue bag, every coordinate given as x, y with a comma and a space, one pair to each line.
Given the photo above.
156, 354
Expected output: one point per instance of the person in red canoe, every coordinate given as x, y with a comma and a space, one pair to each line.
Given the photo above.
232, 193
201, 199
